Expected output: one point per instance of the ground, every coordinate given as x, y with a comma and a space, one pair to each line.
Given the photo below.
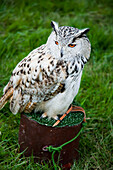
25, 25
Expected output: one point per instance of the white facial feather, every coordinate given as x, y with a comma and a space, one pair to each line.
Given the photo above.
74, 37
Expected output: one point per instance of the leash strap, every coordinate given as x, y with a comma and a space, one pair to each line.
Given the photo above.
58, 149
71, 109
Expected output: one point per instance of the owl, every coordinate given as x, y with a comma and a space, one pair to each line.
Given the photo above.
48, 79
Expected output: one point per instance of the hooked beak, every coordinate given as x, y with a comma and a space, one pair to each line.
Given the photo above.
61, 52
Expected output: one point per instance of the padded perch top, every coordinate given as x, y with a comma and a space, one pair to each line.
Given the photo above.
72, 119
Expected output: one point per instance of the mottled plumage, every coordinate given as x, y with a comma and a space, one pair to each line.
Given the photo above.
48, 79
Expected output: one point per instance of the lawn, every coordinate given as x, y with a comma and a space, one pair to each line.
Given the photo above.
25, 25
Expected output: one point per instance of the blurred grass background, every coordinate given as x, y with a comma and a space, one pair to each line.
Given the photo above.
25, 25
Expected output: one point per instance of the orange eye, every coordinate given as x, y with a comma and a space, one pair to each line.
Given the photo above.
71, 45
56, 42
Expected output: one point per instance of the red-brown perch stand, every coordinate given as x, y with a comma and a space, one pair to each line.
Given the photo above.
35, 137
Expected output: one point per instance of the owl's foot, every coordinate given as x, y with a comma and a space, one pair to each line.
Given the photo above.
62, 117
55, 117
44, 115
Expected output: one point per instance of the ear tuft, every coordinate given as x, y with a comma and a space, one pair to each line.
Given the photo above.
54, 26
81, 32
85, 30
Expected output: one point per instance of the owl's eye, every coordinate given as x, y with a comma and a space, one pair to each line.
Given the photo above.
56, 42
71, 45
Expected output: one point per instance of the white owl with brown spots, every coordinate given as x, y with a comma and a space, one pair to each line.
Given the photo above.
49, 78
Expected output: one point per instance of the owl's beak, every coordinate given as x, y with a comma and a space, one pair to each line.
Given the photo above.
61, 52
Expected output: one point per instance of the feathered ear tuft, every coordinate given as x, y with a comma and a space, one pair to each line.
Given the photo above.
54, 26
81, 32
85, 30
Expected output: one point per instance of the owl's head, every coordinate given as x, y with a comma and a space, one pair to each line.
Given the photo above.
65, 42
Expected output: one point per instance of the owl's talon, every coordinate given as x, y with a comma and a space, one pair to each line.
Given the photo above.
43, 115
55, 117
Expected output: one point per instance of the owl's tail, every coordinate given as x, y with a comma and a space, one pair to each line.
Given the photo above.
4, 99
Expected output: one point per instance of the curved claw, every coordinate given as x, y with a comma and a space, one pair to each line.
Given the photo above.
43, 115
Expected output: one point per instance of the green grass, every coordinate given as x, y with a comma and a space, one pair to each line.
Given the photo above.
25, 25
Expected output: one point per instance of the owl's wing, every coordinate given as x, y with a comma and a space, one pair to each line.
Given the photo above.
36, 78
